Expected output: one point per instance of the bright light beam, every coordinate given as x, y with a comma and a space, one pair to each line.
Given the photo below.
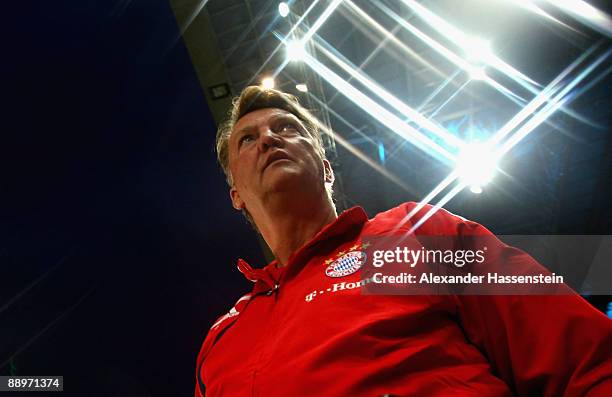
539, 99
529, 6
380, 46
387, 118
50, 325
282, 44
355, 151
439, 108
343, 120
184, 25
593, 82
392, 100
430, 196
196, 11
296, 48
363, 157
476, 165
451, 56
321, 20
467, 43
450, 98
542, 97
8, 304
460, 186
439, 89
391, 37
587, 14
552, 106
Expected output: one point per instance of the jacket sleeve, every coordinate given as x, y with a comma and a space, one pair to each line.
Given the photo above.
548, 345
200, 388
199, 392
215, 332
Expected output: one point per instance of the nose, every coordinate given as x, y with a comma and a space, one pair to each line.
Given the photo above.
268, 139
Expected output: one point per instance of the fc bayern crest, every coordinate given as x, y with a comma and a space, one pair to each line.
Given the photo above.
347, 264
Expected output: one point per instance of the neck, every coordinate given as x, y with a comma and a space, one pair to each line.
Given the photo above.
288, 225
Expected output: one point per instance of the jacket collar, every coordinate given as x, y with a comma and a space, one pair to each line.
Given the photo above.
267, 278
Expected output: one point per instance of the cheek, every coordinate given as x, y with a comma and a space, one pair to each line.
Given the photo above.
236, 174
242, 172
307, 148
311, 157
238, 163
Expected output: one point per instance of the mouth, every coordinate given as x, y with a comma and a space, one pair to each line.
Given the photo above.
274, 157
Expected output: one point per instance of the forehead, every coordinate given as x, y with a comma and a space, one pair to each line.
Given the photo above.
258, 117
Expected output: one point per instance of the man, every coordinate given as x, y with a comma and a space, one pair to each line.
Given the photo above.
307, 330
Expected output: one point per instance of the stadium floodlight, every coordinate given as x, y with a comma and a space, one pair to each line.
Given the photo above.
301, 87
477, 51
476, 189
283, 9
296, 51
267, 82
476, 165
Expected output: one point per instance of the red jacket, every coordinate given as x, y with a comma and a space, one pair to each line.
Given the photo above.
280, 340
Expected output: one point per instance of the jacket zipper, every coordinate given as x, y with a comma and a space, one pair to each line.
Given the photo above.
273, 292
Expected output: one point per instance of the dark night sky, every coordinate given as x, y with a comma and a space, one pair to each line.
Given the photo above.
118, 238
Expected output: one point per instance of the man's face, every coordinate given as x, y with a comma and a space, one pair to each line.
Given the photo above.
270, 152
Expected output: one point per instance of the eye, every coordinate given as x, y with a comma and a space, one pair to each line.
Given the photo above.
245, 139
288, 127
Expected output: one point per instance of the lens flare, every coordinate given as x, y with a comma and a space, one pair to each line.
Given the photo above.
283, 9
476, 165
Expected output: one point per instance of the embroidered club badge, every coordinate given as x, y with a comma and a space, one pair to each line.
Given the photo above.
347, 264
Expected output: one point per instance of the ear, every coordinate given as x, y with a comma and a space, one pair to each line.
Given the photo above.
329, 172
237, 202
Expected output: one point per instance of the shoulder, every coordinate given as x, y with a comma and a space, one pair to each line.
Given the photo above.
221, 324
233, 312
431, 220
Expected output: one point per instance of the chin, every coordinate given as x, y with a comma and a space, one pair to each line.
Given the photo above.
289, 179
